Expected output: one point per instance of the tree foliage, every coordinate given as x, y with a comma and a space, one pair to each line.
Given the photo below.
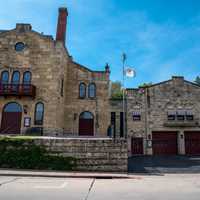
116, 90
197, 80
145, 85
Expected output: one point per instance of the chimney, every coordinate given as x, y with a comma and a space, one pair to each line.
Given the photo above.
61, 27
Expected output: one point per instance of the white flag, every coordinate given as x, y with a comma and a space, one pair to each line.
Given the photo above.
130, 72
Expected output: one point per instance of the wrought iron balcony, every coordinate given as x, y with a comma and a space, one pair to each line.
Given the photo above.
19, 90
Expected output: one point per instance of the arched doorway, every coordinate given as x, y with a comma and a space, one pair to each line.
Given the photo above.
11, 118
86, 124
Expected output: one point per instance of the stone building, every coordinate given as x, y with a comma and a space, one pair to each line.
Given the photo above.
42, 90
164, 118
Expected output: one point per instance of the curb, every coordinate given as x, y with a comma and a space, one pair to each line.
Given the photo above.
19, 173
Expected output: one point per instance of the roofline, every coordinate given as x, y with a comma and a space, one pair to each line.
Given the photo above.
86, 68
190, 82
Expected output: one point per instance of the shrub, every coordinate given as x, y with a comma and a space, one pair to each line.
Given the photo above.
22, 153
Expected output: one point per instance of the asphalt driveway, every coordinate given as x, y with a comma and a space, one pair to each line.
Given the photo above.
164, 164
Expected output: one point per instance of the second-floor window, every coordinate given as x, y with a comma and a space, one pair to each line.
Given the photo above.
82, 90
27, 78
181, 115
171, 115
92, 90
4, 77
15, 78
136, 116
189, 115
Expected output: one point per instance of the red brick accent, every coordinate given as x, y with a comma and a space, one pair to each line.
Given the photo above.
62, 23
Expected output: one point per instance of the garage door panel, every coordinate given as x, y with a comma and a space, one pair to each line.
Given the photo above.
164, 143
192, 142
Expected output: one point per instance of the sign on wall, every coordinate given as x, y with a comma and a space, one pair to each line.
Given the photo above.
27, 121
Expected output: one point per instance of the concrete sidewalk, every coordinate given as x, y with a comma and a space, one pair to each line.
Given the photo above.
34, 173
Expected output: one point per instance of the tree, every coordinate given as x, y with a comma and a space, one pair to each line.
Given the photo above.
197, 81
116, 90
145, 85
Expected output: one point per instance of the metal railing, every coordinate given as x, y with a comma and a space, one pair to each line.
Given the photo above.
17, 90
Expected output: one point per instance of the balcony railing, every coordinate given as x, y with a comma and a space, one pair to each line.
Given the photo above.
17, 90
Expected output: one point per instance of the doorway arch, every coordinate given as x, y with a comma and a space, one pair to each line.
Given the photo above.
86, 124
11, 118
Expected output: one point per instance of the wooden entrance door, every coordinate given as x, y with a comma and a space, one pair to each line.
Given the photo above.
137, 146
192, 142
86, 124
164, 143
11, 119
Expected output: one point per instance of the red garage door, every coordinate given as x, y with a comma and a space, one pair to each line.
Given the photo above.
164, 143
192, 142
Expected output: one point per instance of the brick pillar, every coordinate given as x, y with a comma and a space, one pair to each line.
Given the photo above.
61, 26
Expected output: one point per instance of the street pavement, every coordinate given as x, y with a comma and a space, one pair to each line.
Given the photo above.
149, 187
164, 164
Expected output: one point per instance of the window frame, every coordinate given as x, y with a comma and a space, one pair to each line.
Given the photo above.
136, 116
23, 81
14, 72
39, 122
5, 71
85, 88
171, 115
180, 115
189, 116
21, 48
89, 91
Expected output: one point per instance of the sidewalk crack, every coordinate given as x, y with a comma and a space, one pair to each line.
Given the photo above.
90, 188
10, 181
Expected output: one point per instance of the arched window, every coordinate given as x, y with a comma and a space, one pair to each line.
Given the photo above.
86, 115
27, 78
4, 77
15, 78
92, 90
82, 90
12, 107
39, 113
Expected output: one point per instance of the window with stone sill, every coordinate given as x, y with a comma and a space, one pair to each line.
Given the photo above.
82, 90
180, 115
92, 90
136, 116
189, 115
4, 77
39, 113
171, 115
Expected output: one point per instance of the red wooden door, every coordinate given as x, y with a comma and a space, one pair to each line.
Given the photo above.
192, 142
11, 122
137, 146
164, 143
86, 127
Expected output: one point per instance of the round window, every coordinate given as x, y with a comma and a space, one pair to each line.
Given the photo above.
19, 46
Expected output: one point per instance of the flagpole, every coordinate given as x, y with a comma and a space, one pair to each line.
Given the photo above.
123, 93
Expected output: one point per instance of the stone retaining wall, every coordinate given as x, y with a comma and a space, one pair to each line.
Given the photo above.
94, 154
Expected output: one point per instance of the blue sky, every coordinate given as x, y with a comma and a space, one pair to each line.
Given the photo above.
160, 37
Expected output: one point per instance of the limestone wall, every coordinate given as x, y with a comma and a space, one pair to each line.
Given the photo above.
102, 154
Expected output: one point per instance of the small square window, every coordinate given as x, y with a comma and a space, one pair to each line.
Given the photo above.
136, 116
189, 115
181, 115
171, 115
